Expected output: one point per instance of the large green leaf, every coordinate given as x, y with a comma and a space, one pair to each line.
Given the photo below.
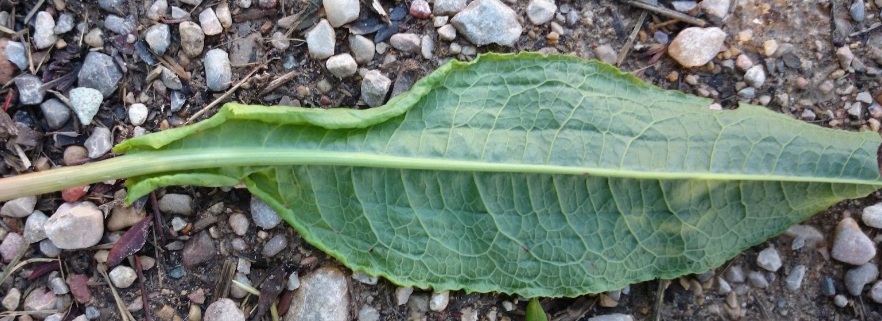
540, 176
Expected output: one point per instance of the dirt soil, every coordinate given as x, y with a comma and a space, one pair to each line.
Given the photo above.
811, 30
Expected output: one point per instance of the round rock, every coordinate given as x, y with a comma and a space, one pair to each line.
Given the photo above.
851, 245
223, 310
218, 72
192, 38
755, 76
340, 12
123, 276
794, 279
158, 37
769, 259
44, 30
876, 292
484, 22
263, 215
10, 246
374, 87
176, 204
362, 48
137, 114
34, 230
56, 113
696, 46
210, 25
856, 278
872, 215
342, 65
541, 11
75, 226
19, 207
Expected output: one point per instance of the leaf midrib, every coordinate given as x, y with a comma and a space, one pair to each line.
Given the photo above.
175, 160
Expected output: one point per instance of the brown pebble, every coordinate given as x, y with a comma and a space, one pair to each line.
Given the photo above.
74, 154
266, 27
552, 38
801, 83
673, 76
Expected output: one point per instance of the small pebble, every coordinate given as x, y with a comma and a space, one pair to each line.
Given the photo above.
210, 24
30, 89
735, 274
374, 87
10, 246
362, 48
405, 42
137, 114
851, 245
49, 249
845, 56
158, 37
123, 276
606, 54
755, 76
157, 10
99, 71
224, 310
15, 53
280, 41
58, 286
75, 225
275, 245
263, 215
363, 278
856, 278
44, 30
239, 223
857, 10
840, 300
64, 24
541, 11
770, 47
342, 65
178, 223
40, 299
757, 280
320, 40
447, 32
19, 207
793, 281
99, 143
769, 259
340, 12
485, 22
95, 38
222, 11
827, 287
368, 313
864, 97
236, 291
876, 292
293, 281
218, 71
34, 227
11, 300
420, 9
192, 38
402, 294
176, 204
439, 301
119, 25
696, 46
56, 113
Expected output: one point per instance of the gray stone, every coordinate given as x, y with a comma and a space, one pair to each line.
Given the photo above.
735, 274
405, 42
58, 286
180, 14
320, 40
724, 286
362, 48
75, 226
845, 56
16, 54
158, 37
755, 76
806, 234
239, 223
64, 24
56, 113
192, 38
30, 89
157, 10
120, 25
280, 41
696, 46
438, 302
34, 227
176, 204
769, 259
612, 317
872, 215
364, 278
827, 287
402, 294
198, 250
85, 103
99, 143
171, 80
210, 25
484, 22
19, 207
12, 299
123, 276
448, 7
224, 310
683, 6
40, 299
793, 281
541, 11
94, 38
342, 65
222, 11
275, 245
368, 313
49, 249
374, 87
851, 245
856, 278
447, 32
111, 5
606, 54
236, 291
218, 71
243, 49
716, 8
840, 300
340, 12
858, 10
876, 292
757, 280
427, 46
322, 296
10, 246
99, 72
293, 282
44, 36
263, 215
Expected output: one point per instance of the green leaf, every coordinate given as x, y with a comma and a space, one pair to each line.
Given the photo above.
535, 311
524, 174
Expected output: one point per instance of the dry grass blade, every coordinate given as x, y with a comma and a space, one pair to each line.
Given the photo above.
224, 96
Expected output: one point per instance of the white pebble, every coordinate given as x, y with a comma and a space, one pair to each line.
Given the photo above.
123, 276
137, 114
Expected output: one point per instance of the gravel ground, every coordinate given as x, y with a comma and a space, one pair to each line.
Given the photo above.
80, 77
